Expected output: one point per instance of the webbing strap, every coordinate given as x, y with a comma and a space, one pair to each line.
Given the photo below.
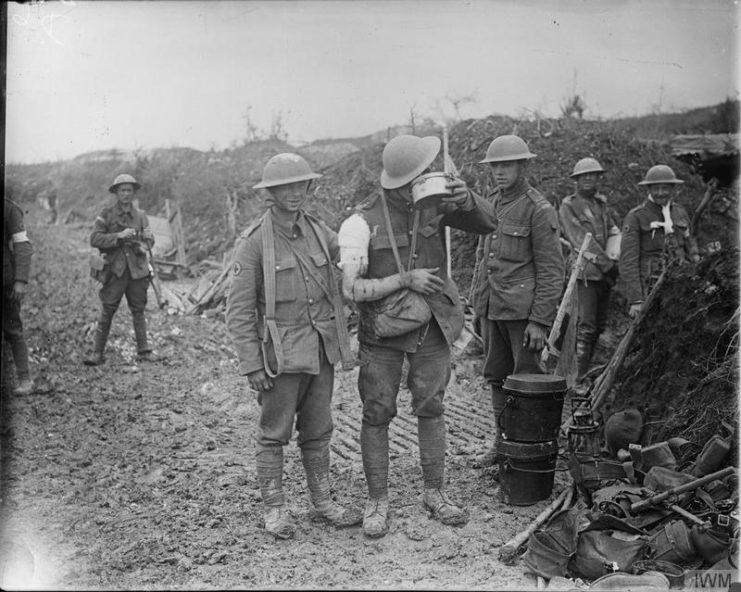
392, 240
268, 272
333, 295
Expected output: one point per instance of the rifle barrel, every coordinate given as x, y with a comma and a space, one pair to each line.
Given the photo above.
664, 495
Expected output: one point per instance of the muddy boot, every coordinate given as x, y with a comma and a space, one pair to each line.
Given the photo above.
376, 517
443, 509
279, 523
316, 465
101, 337
24, 386
489, 458
270, 478
374, 444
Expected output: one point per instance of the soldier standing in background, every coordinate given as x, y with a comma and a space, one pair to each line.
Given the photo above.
17, 253
585, 211
122, 234
521, 276
286, 320
653, 232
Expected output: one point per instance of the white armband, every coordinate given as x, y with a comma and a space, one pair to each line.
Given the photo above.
353, 239
20, 237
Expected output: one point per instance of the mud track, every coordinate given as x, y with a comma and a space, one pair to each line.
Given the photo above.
132, 476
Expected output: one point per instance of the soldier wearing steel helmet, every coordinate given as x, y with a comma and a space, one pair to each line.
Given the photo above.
285, 317
654, 232
370, 273
586, 211
122, 234
521, 275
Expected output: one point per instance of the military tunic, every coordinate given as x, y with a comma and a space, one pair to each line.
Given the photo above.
519, 280
643, 245
306, 324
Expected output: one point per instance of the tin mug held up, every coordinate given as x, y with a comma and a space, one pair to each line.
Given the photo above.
429, 189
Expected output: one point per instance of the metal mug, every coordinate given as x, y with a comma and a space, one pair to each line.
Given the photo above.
429, 189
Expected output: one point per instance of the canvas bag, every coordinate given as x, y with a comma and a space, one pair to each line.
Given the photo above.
404, 310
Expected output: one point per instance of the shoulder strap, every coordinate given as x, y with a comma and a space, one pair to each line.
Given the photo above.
268, 271
392, 240
332, 293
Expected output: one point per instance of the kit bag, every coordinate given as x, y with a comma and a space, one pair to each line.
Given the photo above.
404, 310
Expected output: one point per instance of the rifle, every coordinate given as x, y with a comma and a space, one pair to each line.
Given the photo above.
674, 491
555, 337
154, 278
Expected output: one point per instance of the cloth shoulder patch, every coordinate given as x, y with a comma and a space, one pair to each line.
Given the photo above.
236, 268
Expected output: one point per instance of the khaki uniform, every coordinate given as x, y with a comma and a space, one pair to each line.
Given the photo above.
579, 215
126, 271
17, 253
519, 280
642, 246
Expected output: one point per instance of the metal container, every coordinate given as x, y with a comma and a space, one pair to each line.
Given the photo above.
532, 407
526, 471
429, 189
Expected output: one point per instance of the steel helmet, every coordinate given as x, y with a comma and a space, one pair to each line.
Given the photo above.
121, 179
660, 174
587, 165
505, 148
285, 168
405, 157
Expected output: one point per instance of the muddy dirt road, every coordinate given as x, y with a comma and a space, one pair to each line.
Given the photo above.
132, 476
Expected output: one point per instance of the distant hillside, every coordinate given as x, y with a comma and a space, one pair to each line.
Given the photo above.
214, 188
722, 118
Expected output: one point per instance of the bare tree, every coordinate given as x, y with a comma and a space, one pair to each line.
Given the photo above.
251, 132
459, 101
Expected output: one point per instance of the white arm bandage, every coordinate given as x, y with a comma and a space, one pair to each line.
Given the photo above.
20, 237
354, 238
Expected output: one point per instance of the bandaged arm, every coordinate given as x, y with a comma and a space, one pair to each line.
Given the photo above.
354, 241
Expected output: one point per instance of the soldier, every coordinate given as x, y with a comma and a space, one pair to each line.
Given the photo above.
585, 211
122, 235
654, 231
373, 244
17, 254
521, 276
286, 320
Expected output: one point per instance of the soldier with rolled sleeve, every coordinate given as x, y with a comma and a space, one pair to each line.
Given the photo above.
286, 320
17, 253
122, 235
521, 274
370, 273
654, 232
586, 211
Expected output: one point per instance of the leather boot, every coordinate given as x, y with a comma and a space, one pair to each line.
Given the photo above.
489, 458
269, 460
316, 465
101, 338
374, 444
19, 350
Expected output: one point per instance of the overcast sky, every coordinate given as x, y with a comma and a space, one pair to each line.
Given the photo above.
85, 76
